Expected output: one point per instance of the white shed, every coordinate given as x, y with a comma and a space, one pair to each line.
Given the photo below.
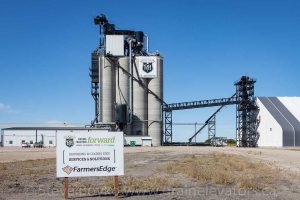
279, 121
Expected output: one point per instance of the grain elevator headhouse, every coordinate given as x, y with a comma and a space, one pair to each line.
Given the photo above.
127, 82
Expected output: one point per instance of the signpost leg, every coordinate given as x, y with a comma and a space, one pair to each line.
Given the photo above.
66, 188
116, 186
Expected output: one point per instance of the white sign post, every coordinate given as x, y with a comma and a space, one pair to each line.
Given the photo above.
93, 153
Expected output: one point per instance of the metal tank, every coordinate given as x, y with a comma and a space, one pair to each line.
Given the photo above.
122, 81
140, 104
122, 86
154, 106
107, 91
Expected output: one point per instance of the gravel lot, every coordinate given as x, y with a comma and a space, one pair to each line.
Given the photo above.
40, 181
288, 158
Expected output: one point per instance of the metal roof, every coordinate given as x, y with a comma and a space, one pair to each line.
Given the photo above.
52, 128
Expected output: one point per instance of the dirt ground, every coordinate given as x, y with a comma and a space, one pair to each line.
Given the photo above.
23, 179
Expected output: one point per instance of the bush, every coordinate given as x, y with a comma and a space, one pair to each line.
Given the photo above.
207, 141
231, 141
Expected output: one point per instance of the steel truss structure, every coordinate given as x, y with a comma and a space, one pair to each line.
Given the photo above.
212, 127
211, 123
246, 113
246, 133
168, 126
168, 108
201, 104
95, 85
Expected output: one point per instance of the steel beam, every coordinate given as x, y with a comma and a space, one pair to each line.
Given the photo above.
168, 135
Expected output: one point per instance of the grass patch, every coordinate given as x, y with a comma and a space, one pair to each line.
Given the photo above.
294, 149
29, 167
227, 169
142, 184
254, 152
27, 164
127, 185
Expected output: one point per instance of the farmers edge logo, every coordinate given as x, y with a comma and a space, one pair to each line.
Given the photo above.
67, 169
69, 140
147, 67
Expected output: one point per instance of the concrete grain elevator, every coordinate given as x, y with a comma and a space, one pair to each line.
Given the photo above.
127, 83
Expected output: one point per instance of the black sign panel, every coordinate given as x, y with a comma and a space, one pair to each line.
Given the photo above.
69, 142
147, 67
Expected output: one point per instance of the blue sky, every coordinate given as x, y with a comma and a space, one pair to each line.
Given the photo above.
207, 45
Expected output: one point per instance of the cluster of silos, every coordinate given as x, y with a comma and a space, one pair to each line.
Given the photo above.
117, 87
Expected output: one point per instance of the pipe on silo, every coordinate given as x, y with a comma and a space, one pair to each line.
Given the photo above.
147, 41
154, 106
130, 40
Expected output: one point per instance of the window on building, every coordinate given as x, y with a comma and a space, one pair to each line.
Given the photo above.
31, 141
10, 142
50, 142
23, 141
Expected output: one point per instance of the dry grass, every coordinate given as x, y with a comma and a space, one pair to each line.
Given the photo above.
294, 149
30, 167
254, 152
142, 184
227, 169
127, 185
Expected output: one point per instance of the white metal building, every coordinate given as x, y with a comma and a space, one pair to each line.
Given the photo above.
19, 136
12, 137
279, 121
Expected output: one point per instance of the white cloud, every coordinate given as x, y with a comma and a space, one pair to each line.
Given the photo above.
5, 108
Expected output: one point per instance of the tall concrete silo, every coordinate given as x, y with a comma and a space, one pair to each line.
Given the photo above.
155, 121
107, 90
140, 103
122, 85
122, 81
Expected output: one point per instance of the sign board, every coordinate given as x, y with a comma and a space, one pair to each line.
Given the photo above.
89, 153
147, 66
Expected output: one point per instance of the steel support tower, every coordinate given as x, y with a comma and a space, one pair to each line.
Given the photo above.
212, 127
95, 86
246, 113
168, 126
